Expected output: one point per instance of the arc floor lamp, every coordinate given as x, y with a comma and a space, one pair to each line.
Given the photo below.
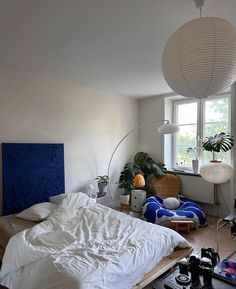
166, 127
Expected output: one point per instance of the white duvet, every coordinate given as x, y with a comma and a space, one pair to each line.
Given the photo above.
84, 245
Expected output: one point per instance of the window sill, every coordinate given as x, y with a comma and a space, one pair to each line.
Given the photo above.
183, 172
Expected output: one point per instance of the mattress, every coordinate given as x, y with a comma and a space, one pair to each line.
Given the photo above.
11, 225
85, 245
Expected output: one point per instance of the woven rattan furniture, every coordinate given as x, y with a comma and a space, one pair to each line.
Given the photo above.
169, 186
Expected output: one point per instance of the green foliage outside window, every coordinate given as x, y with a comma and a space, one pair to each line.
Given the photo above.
215, 120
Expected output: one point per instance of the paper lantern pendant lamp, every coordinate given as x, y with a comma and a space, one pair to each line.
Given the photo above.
216, 173
199, 59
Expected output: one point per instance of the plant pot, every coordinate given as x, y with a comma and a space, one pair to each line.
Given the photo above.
101, 189
124, 199
195, 166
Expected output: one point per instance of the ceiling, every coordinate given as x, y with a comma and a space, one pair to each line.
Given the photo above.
112, 45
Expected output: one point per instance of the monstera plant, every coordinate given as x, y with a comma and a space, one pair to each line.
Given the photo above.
142, 164
217, 143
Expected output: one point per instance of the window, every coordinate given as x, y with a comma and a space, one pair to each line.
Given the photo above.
198, 119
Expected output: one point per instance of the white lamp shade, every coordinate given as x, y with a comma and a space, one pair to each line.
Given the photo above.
199, 59
216, 173
168, 128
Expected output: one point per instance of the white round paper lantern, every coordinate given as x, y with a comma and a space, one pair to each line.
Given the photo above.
216, 173
199, 59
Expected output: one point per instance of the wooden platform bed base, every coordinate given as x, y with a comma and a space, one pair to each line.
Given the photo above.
163, 266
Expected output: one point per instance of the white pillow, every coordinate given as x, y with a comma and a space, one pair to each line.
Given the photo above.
171, 203
38, 212
57, 199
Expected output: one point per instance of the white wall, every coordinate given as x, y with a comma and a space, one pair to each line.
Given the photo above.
89, 122
152, 109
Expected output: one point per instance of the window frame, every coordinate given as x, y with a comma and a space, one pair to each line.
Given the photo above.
174, 142
199, 123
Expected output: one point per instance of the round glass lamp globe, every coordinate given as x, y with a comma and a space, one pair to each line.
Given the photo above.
216, 173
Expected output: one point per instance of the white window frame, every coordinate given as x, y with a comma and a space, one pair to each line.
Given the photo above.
200, 124
175, 104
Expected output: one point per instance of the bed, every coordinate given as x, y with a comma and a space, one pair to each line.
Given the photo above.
85, 245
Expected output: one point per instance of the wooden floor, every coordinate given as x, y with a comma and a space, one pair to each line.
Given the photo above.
206, 237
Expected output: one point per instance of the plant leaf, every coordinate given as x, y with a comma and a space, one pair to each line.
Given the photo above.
219, 142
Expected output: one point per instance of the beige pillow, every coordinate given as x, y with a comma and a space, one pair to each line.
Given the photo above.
57, 199
38, 212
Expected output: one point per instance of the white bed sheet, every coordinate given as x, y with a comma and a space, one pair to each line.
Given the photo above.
84, 245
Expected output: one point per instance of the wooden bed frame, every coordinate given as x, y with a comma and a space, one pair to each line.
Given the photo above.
163, 266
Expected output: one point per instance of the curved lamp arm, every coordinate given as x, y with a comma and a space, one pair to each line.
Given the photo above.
166, 128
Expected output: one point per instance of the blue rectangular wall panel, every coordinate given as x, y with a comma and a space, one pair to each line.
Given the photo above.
31, 174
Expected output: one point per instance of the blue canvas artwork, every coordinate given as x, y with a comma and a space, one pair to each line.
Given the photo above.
31, 174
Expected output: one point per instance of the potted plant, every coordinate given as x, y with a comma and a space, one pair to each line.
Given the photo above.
195, 162
217, 143
102, 182
142, 164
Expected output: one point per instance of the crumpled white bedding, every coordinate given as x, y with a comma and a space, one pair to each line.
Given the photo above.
84, 245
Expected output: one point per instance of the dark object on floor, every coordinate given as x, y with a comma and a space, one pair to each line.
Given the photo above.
210, 254
226, 270
169, 282
206, 270
194, 268
183, 280
183, 266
